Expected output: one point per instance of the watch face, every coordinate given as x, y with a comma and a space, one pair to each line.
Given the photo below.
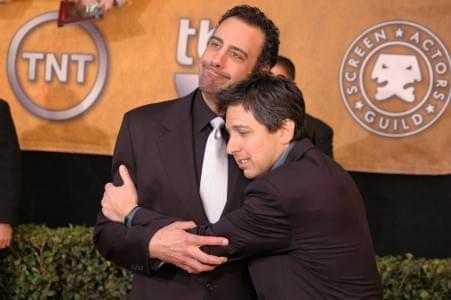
76, 12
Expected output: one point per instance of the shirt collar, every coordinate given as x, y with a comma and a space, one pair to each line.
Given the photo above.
202, 114
283, 157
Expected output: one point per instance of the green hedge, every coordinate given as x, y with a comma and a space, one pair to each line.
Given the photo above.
62, 263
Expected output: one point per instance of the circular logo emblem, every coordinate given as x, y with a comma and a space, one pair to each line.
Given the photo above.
395, 79
48, 78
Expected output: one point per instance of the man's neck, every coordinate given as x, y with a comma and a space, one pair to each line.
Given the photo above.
210, 100
283, 155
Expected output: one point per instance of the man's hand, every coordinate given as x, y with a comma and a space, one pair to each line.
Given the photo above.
105, 4
174, 245
118, 201
6, 233
171, 244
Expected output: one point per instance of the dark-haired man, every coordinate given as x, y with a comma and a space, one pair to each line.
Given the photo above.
319, 132
303, 220
163, 146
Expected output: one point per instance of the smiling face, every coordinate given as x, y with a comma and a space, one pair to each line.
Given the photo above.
231, 55
253, 147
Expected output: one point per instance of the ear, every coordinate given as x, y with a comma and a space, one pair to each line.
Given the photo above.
286, 132
265, 69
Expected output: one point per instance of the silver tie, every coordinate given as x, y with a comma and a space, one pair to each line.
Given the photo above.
213, 181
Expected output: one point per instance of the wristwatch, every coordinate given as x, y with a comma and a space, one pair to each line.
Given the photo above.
128, 220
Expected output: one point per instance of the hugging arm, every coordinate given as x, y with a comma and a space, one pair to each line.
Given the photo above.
260, 226
153, 238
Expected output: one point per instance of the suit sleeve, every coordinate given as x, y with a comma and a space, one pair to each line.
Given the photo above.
260, 226
128, 247
9, 167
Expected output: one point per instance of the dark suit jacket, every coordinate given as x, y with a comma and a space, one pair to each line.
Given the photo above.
155, 142
320, 134
305, 223
9, 167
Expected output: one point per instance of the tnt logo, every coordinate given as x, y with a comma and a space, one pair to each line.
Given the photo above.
395, 79
187, 82
57, 73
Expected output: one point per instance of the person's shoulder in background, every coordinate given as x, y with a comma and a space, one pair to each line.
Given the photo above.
320, 134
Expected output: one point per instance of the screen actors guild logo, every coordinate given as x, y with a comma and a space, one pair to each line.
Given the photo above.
395, 79
393, 72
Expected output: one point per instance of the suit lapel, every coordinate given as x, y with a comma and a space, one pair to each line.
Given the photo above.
177, 154
176, 149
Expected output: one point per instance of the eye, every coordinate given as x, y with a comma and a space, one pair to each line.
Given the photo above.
243, 133
214, 44
384, 66
236, 55
409, 68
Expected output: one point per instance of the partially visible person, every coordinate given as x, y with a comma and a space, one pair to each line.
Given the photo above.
318, 131
105, 4
303, 219
9, 175
108, 4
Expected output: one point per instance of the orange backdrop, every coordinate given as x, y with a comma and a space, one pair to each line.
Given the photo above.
378, 72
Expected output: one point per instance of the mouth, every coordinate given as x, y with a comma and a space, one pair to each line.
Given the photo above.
242, 162
214, 72
409, 85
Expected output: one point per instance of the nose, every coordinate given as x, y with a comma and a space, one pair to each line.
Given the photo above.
218, 58
232, 146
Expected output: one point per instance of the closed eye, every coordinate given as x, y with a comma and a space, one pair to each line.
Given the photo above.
243, 133
237, 55
214, 43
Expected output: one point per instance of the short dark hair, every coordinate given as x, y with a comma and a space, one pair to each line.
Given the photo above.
255, 17
288, 65
271, 99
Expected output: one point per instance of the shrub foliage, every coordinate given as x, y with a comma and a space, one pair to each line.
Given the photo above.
62, 263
